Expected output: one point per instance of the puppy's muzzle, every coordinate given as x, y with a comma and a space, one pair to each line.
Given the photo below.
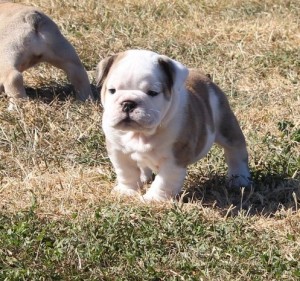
128, 106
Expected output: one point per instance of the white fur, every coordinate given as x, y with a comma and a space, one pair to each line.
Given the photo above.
146, 147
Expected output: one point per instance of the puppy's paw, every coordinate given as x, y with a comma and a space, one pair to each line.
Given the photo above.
14, 104
237, 181
12, 107
152, 196
125, 190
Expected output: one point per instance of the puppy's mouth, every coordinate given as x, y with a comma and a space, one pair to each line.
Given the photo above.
138, 120
127, 124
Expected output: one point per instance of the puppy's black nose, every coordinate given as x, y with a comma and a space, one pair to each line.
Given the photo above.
128, 106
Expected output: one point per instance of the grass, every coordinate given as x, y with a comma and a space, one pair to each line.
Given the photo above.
58, 220
134, 243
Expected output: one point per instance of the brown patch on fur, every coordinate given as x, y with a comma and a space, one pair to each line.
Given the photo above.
229, 127
168, 68
103, 70
193, 135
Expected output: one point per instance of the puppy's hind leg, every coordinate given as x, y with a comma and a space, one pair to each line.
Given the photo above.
78, 77
13, 86
231, 138
146, 175
60, 53
13, 83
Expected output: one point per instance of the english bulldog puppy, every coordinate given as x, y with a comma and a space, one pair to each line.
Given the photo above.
28, 37
160, 117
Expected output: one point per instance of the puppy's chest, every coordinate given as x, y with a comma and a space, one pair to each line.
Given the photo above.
133, 142
143, 160
143, 151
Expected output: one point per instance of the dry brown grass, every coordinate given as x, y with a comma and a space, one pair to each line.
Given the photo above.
53, 152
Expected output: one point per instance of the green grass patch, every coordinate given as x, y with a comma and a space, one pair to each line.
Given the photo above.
119, 242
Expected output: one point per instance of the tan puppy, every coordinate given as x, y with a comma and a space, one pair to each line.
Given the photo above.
28, 37
160, 117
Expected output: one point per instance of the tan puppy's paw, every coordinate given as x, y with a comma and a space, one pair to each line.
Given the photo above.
14, 104
239, 181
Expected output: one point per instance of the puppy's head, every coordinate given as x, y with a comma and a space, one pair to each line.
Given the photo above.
138, 88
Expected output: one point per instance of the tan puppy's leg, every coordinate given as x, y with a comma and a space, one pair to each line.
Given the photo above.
62, 55
231, 138
55, 49
14, 87
13, 84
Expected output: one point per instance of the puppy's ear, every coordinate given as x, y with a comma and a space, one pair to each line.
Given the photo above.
176, 73
102, 70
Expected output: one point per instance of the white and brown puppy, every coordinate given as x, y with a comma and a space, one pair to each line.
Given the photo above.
27, 37
160, 117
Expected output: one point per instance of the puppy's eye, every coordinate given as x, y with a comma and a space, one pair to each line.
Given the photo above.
112, 91
152, 93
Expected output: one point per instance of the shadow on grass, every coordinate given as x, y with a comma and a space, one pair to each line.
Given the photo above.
268, 194
56, 91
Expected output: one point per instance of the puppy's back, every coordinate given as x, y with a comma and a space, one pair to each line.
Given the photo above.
14, 17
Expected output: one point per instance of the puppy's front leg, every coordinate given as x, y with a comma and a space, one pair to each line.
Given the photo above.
167, 184
128, 174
